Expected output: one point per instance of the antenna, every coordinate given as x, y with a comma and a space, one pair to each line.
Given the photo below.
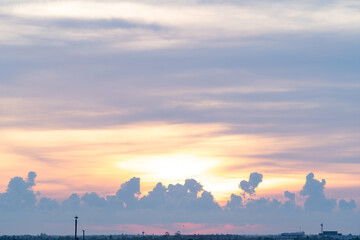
76, 219
322, 228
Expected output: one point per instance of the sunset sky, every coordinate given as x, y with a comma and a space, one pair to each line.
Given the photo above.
94, 93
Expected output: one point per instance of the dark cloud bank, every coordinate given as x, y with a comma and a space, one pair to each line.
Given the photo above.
25, 211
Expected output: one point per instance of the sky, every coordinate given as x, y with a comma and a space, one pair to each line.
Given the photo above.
203, 116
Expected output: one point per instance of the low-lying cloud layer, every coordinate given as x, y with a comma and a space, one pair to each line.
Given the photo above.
169, 205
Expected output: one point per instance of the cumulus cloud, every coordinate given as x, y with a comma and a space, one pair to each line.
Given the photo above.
127, 195
190, 196
155, 198
93, 200
31, 179
290, 196
19, 193
235, 202
249, 186
72, 203
187, 202
290, 202
192, 187
347, 205
48, 204
263, 203
314, 190
207, 202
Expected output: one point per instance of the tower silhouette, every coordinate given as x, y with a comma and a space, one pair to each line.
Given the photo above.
322, 228
76, 218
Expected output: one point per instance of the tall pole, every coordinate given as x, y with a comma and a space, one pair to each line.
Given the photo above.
76, 218
83, 234
322, 228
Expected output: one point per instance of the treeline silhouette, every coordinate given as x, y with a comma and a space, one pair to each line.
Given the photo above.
175, 237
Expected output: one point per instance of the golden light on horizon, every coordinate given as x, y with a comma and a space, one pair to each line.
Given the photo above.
68, 161
170, 167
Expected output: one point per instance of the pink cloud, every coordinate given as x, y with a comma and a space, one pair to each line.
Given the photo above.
184, 228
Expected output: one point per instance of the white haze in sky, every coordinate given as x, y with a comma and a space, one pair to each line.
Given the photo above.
170, 24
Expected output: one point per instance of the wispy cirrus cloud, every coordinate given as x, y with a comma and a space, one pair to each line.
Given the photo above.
169, 25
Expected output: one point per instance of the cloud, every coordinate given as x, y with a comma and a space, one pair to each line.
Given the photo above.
95, 66
31, 179
249, 186
235, 202
207, 202
347, 205
48, 204
290, 203
290, 196
176, 24
155, 198
93, 200
127, 195
187, 203
72, 203
19, 194
187, 196
316, 200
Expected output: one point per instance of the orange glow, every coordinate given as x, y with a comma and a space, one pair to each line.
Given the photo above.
68, 161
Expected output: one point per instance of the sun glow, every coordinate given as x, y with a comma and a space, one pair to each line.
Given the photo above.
170, 167
170, 153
